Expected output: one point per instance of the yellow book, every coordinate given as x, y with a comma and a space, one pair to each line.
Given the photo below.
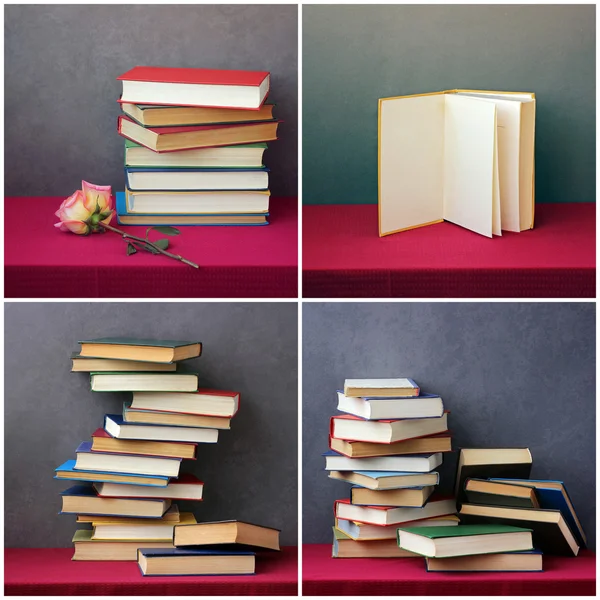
464, 156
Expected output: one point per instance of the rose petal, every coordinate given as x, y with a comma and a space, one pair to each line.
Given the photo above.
72, 200
77, 212
96, 195
78, 227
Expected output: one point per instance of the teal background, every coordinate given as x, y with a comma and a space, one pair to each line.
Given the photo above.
353, 55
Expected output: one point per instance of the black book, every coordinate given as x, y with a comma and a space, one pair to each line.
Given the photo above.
490, 463
551, 534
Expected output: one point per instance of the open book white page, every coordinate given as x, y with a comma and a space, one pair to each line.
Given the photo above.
469, 147
516, 128
508, 107
411, 162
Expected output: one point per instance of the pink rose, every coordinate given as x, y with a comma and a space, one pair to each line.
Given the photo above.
81, 212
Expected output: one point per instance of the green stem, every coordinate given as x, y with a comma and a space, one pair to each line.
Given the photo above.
128, 236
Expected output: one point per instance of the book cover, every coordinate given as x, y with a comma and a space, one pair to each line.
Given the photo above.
194, 76
435, 533
126, 341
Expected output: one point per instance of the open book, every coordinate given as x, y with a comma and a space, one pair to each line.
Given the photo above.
463, 156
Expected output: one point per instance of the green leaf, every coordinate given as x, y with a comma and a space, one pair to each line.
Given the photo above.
131, 249
163, 243
165, 230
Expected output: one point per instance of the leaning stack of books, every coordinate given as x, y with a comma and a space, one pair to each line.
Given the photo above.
493, 488
194, 143
128, 476
388, 446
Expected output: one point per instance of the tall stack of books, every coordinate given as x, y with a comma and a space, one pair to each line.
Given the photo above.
128, 476
388, 446
194, 144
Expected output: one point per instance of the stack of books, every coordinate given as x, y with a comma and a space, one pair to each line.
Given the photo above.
194, 144
508, 521
493, 487
128, 476
388, 445
472, 547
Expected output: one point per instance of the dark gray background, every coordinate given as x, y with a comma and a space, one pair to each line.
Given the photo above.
61, 64
250, 474
511, 375
355, 54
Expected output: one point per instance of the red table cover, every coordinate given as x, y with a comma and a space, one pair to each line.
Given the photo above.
326, 576
344, 257
51, 572
235, 262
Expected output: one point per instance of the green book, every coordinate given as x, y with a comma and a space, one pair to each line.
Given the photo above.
242, 156
464, 540
118, 381
122, 348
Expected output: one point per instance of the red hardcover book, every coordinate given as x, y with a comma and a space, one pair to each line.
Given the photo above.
436, 506
218, 88
399, 430
172, 139
427, 444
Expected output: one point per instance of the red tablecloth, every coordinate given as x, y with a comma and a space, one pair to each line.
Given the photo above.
51, 572
326, 576
344, 257
235, 262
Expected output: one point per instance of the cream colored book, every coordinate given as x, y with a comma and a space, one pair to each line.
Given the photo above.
463, 156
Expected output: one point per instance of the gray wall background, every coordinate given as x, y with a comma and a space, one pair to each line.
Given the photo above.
250, 474
354, 55
60, 68
511, 375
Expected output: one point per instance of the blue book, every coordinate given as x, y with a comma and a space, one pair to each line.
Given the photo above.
553, 495
80, 490
399, 407
67, 471
164, 561
191, 179
124, 217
